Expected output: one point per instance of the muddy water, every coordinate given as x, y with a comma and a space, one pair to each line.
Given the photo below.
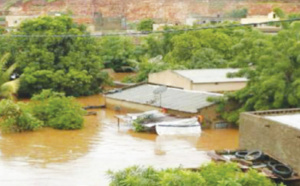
52, 157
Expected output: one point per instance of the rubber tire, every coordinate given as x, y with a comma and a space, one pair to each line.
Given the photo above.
271, 164
241, 154
283, 173
259, 155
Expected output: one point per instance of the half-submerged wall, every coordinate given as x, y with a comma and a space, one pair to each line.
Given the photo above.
268, 131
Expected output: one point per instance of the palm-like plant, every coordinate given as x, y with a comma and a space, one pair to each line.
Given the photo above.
7, 87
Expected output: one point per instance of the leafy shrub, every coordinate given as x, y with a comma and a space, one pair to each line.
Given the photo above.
222, 174
58, 111
145, 25
179, 177
135, 176
137, 125
17, 117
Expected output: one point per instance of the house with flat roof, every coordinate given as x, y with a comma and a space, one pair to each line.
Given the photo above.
276, 132
211, 80
259, 20
145, 97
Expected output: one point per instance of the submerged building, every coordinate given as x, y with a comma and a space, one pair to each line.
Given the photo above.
276, 132
211, 80
145, 97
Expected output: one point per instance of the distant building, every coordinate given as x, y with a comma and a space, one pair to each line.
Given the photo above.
13, 21
199, 20
211, 80
276, 132
158, 27
259, 19
177, 101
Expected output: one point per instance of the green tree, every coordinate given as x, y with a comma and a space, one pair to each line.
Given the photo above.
145, 25
65, 64
117, 52
7, 87
274, 78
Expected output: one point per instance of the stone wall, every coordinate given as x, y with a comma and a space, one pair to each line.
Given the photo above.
276, 139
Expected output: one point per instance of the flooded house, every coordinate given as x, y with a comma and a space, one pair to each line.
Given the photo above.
276, 132
177, 101
211, 80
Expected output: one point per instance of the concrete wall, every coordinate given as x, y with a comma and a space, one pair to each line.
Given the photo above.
219, 87
170, 78
209, 113
276, 139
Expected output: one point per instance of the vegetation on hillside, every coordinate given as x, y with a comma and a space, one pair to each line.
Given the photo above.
209, 175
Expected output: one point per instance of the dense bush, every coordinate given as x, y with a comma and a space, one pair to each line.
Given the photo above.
48, 109
145, 25
228, 174
17, 117
58, 111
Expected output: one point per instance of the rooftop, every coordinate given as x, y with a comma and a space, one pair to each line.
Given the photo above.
210, 75
171, 98
292, 120
289, 117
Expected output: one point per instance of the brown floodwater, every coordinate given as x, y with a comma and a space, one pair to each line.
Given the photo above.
52, 157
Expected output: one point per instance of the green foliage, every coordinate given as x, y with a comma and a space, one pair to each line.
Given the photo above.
238, 13
135, 176
65, 64
137, 125
180, 177
117, 52
223, 174
145, 25
273, 79
17, 117
58, 111
7, 87
48, 109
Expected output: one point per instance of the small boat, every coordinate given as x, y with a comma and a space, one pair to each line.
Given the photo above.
189, 126
164, 124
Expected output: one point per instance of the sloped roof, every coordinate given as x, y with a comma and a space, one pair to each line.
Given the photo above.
172, 98
210, 75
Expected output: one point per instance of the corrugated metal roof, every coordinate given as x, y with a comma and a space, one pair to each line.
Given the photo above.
292, 120
172, 98
209, 75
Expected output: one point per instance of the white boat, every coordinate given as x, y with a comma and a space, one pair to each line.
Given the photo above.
189, 126
165, 124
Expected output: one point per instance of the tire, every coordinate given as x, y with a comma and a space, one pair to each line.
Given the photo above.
271, 164
254, 155
241, 154
282, 170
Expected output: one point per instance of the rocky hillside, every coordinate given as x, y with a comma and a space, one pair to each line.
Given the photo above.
167, 10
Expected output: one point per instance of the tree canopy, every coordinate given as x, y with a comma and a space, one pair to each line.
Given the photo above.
65, 64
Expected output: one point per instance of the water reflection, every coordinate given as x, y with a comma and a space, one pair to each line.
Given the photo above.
52, 157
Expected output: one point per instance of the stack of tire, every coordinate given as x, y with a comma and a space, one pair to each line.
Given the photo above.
277, 168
